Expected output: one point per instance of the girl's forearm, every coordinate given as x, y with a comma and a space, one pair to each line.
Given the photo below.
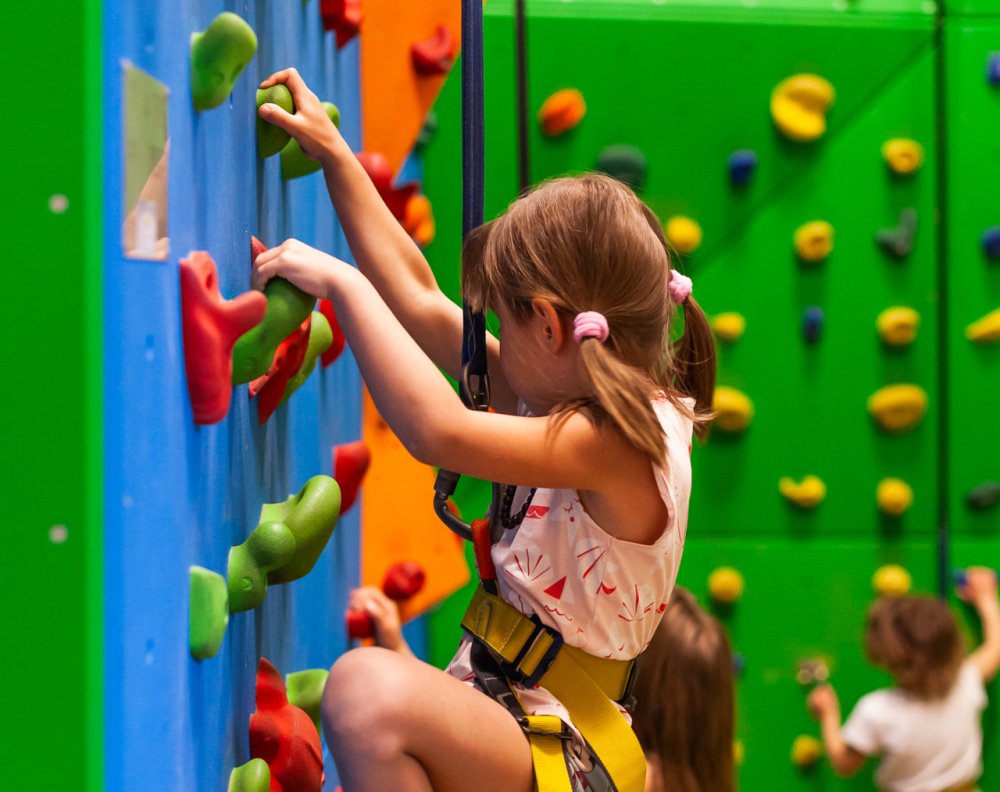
410, 393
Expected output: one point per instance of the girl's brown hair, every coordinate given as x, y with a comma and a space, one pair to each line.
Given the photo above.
589, 244
684, 692
917, 641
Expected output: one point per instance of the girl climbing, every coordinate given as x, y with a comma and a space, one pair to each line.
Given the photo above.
594, 414
927, 729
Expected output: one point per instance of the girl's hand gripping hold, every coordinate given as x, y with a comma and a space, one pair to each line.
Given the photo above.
384, 614
311, 270
310, 125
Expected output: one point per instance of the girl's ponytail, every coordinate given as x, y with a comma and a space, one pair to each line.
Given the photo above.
693, 356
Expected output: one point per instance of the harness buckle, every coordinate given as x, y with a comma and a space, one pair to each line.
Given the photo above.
475, 389
513, 669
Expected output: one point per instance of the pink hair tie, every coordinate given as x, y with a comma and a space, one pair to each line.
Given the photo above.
680, 287
590, 324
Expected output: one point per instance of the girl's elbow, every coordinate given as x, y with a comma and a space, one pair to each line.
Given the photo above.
429, 443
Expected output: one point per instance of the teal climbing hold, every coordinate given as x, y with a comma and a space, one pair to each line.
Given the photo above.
898, 241
270, 138
305, 691
294, 162
271, 545
625, 163
208, 612
320, 338
218, 56
983, 496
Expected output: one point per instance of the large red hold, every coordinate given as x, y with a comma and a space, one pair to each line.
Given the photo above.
284, 736
350, 464
341, 16
339, 342
211, 326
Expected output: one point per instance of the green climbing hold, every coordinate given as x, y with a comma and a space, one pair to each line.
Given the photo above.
294, 162
427, 131
305, 691
287, 308
311, 515
625, 163
254, 776
984, 496
208, 612
270, 138
270, 545
320, 338
218, 55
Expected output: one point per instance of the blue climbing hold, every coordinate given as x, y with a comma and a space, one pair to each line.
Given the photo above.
991, 242
812, 324
739, 664
741, 166
993, 68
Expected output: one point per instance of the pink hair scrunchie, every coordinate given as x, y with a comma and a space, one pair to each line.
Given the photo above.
590, 324
680, 287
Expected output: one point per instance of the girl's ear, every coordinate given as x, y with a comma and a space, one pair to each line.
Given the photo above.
549, 323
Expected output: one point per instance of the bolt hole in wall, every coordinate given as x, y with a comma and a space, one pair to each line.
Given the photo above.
803, 205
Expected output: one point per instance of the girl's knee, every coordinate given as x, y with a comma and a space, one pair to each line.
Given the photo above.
365, 698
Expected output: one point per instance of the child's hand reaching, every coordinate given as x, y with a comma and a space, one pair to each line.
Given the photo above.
311, 270
310, 125
824, 704
980, 586
384, 615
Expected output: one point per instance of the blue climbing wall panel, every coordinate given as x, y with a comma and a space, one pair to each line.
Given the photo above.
177, 494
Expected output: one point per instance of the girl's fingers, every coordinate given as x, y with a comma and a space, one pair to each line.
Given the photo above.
279, 117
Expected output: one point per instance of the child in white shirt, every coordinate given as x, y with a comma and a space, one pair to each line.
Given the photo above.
926, 729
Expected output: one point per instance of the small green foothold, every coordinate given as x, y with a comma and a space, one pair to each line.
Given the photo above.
320, 338
294, 162
305, 691
984, 496
269, 546
208, 612
427, 131
625, 163
270, 138
254, 776
287, 308
218, 55
311, 515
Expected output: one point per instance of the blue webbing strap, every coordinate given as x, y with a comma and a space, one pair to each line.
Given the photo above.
474, 385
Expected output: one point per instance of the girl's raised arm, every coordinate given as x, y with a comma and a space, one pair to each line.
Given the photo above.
383, 250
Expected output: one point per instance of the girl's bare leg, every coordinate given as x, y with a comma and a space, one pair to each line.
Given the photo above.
393, 722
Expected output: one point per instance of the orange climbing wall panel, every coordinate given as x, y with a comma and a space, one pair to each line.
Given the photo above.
398, 520
394, 98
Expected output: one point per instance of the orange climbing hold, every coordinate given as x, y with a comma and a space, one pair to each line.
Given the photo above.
418, 220
562, 111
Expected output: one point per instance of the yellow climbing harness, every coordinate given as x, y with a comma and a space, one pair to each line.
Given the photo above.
532, 654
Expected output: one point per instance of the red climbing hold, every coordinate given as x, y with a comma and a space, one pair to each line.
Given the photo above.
211, 326
270, 387
284, 736
350, 463
379, 171
359, 625
341, 16
339, 342
403, 580
434, 56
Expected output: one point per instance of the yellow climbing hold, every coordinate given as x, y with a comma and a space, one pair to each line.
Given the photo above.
814, 241
683, 234
894, 496
739, 753
902, 155
808, 493
725, 585
898, 408
729, 326
891, 580
806, 751
799, 105
561, 112
897, 326
733, 409
986, 330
